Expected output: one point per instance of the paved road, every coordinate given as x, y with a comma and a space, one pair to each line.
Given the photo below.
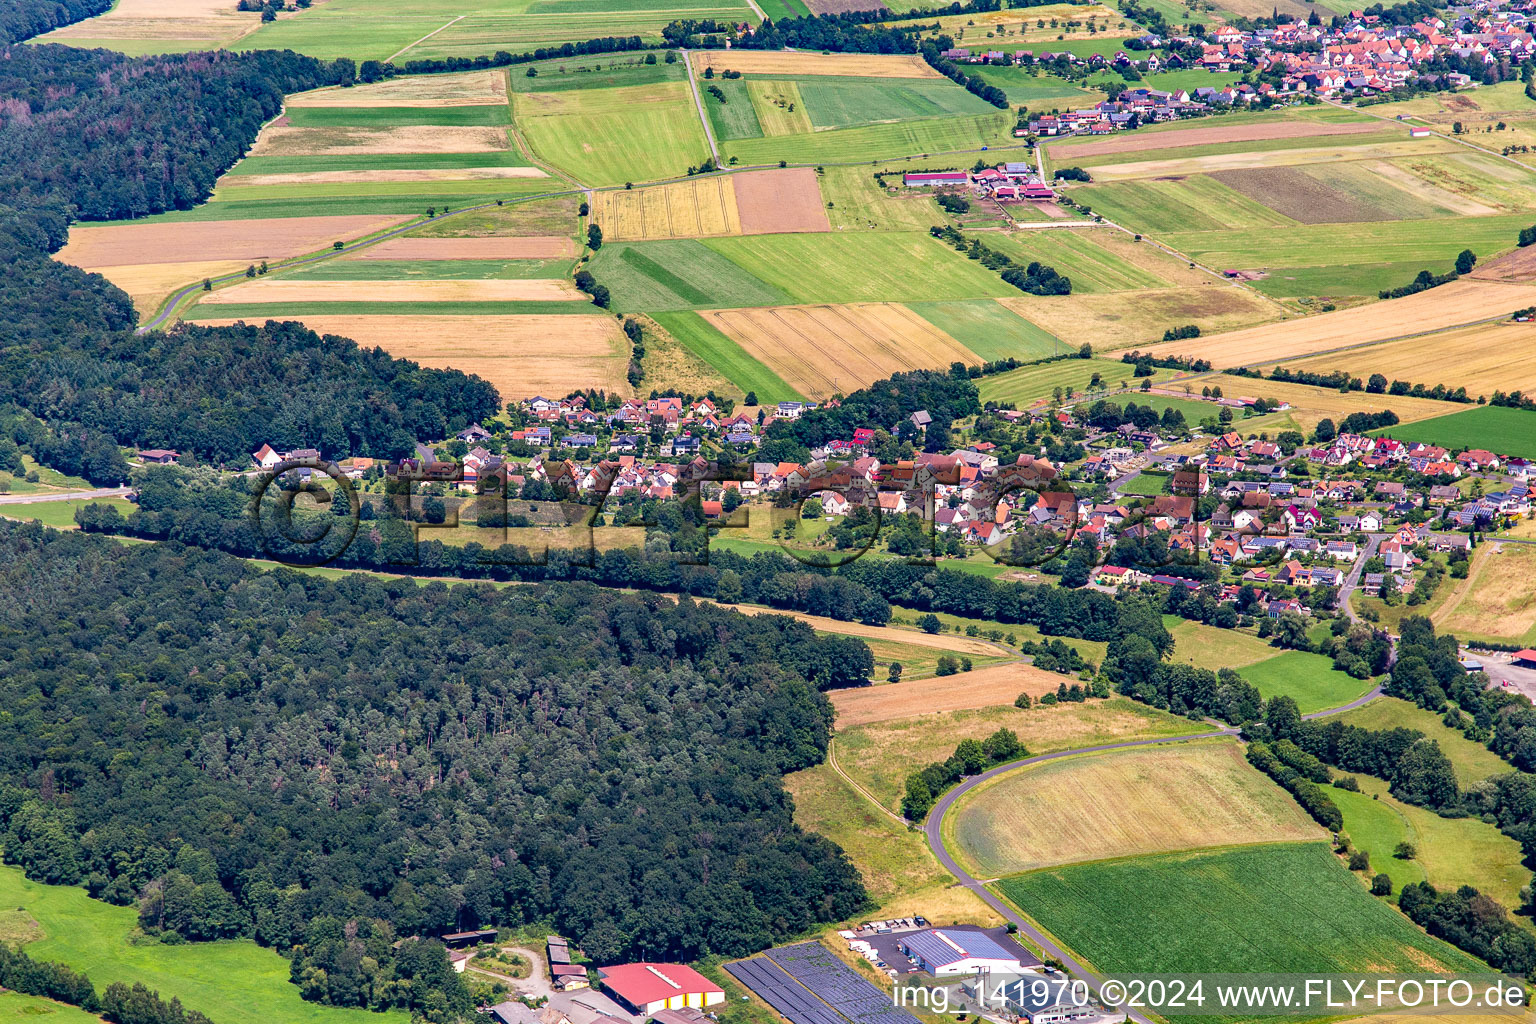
1352, 579
698, 102
29, 499
933, 829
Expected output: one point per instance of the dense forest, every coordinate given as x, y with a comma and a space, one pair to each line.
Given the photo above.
329, 765
23, 19
89, 134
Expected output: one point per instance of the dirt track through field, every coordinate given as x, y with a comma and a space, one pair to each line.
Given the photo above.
533, 247
982, 688
491, 290
196, 241
786, 200
1460, 302
521, 355
1139, 142
792, 63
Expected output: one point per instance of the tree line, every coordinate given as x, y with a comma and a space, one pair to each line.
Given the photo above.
120, 1003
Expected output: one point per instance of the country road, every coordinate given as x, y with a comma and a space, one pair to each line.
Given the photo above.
698, 102
933, 829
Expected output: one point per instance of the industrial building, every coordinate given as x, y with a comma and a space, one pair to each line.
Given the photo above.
646, 988
951, 951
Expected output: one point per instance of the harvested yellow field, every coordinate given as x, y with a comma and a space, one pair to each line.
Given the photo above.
683, 209
1499, 600
470, 89
1492, 357
270, 289
211, 23
113, 245
1310, 404
983, 688
521, 356
390, 175
286, 140
821, 350
1268, 158
531, 247
149, 284
1456, 304
779, 108
792, 63
1135, 319
1120, 804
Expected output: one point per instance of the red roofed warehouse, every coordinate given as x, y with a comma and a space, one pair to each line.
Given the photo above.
1525, 658
646, 988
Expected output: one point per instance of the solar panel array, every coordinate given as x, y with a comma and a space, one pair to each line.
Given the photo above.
836, 994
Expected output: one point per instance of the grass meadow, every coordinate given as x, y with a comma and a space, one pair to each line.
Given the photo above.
1284, 907
878, 141
1122, 803
879, 755
1472, 761
617, 135
678, 274
238, 982
1309, 678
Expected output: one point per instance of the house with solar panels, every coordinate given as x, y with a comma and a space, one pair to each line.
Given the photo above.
951, 951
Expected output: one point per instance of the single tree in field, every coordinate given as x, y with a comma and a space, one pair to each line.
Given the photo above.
594, 237
894, 673
1465, 261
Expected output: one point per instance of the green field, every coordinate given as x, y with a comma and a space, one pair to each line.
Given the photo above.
612, 136
15, 1007
60, 514
1310, 678
735, 118
395, 117
600, 71
384, 29
1290, 907
1498, 429
878, 141
834, 101
1039, 92
1450, 852
990, 329
1195, 203
709, 344
234, 982
677, 274
1092, 267
1032, 383
1472, 761
887, 266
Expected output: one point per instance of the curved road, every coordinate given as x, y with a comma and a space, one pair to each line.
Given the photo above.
934, 826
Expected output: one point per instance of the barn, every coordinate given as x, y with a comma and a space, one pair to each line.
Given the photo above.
1525, 658
646, 988
921, 179
947, 951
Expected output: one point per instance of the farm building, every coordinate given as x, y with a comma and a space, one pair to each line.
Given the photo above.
458, 940
1039, 191
945, 951
159, 456
1525, 658
1419, 133
925, 178
647, 988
